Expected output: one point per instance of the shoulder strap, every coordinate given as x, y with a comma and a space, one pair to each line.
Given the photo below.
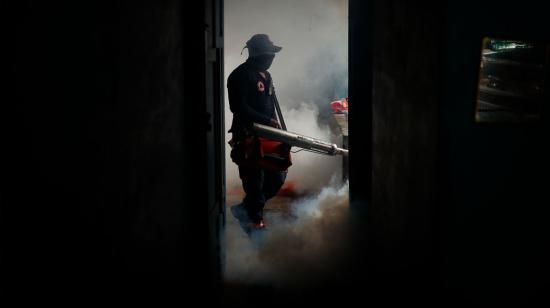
279, 113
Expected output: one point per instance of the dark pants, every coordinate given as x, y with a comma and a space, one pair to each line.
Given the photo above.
259, 185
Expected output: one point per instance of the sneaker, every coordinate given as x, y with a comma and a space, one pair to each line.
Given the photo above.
258, 225
248, 225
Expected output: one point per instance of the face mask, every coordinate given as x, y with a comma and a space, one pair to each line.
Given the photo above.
263, 62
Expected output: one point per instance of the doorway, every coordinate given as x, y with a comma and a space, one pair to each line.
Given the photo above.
310, 76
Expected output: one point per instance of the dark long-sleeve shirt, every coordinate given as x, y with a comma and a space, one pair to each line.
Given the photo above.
251, 97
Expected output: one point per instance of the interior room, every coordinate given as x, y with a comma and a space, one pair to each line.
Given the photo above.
118, 180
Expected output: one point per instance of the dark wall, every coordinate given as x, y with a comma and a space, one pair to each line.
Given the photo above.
494, 222
105, 169
360, 129
407, 52
458, 209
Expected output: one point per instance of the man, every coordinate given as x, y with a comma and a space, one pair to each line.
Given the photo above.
252, 100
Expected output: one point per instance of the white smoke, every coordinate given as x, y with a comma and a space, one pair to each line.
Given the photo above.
310, 171
292, 250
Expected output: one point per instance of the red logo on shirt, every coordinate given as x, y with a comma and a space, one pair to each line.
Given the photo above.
261, 86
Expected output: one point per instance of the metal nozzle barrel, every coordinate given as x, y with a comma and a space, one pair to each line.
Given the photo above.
298, 140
